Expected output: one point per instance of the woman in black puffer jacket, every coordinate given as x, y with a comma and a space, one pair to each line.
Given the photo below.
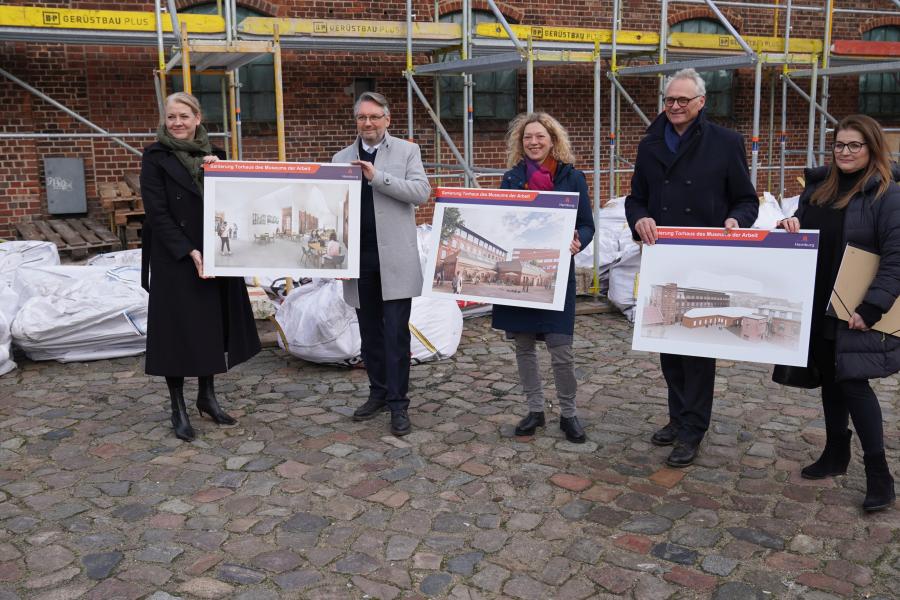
854, 201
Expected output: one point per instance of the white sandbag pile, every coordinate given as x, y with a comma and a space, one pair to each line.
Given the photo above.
13, 257
770, 213
619, 255
74, 313
318, 325
436, 325
120, 258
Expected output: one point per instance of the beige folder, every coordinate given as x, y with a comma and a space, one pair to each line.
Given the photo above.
854, 277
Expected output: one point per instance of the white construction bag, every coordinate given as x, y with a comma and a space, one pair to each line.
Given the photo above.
769, 213
622, 277
318, 325
119, 258
18, 255
80, 313
436, 326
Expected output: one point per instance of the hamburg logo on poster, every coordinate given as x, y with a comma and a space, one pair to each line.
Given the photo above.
739, 295
506, 247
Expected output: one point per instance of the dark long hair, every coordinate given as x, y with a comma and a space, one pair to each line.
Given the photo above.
879, 163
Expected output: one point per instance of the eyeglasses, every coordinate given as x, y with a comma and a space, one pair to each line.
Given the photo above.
682, 101
853, 147
371, 118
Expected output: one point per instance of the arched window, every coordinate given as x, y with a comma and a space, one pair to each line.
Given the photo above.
879, 93
718, 83
257, 81
496, 93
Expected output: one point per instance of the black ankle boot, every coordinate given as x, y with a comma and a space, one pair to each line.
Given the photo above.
573, 429
834, 460
879, 483
207, 403
180, 422
530, 423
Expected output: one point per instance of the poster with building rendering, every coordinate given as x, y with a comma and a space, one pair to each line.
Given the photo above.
501, 246
281, 219
740, 295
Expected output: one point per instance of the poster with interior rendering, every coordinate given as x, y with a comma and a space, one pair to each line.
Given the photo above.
276, 219
740, 295
501, 246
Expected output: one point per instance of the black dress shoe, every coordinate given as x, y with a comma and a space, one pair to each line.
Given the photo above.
665, 436
207, 403
530, 423
573, 429
400, 423
370, 409
683, 454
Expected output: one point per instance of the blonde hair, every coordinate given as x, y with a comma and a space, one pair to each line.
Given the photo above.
188, 100
561, 151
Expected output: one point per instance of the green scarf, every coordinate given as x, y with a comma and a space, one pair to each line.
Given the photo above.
189, 152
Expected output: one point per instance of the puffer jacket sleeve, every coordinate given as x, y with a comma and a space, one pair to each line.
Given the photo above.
885, 288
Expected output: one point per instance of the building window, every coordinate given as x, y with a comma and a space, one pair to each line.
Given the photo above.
496, 93
879, 93
718, 83
257, 81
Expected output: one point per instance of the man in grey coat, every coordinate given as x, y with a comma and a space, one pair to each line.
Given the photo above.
390, 275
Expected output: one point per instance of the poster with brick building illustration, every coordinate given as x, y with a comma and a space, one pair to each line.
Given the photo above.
501, 246
740, 295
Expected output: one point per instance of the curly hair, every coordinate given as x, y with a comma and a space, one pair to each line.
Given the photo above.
561, 151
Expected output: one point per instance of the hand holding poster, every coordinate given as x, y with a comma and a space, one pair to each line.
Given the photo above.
281, 219
501, 246
739, 295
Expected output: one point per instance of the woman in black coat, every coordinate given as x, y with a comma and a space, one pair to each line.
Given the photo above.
193, 319
541, 159
854, 201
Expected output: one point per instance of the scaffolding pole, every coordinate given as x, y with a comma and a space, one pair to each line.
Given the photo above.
161, 51
68, 111
464, 54
409, 68
811, 125
279, 95
784, 86
754, 153
613, 67
826, 60
793, 85
627, 97
598, 81
470, 175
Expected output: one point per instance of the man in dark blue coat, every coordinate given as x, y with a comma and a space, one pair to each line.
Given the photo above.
689, 172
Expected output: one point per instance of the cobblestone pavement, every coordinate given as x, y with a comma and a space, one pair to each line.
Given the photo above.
98, 499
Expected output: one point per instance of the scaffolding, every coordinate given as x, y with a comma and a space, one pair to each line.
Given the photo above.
220, 45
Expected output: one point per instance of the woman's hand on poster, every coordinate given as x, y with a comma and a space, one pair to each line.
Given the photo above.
210, 158
368, 169
575, 245
856, 322
198, 263
731, 223
646, 229
791, 224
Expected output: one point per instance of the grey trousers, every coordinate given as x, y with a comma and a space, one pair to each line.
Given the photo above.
563, 363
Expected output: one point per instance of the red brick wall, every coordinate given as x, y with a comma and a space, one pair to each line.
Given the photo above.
112, 86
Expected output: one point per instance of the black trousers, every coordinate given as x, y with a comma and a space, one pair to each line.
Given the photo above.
384, 329
843, 400
691, 380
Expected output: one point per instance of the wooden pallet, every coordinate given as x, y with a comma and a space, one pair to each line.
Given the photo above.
77, 235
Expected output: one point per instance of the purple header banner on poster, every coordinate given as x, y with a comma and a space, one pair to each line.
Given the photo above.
522, 198
283, 170
737, 238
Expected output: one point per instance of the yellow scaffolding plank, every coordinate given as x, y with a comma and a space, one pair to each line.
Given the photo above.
350, 28
566, 34
118, 20
712, 41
